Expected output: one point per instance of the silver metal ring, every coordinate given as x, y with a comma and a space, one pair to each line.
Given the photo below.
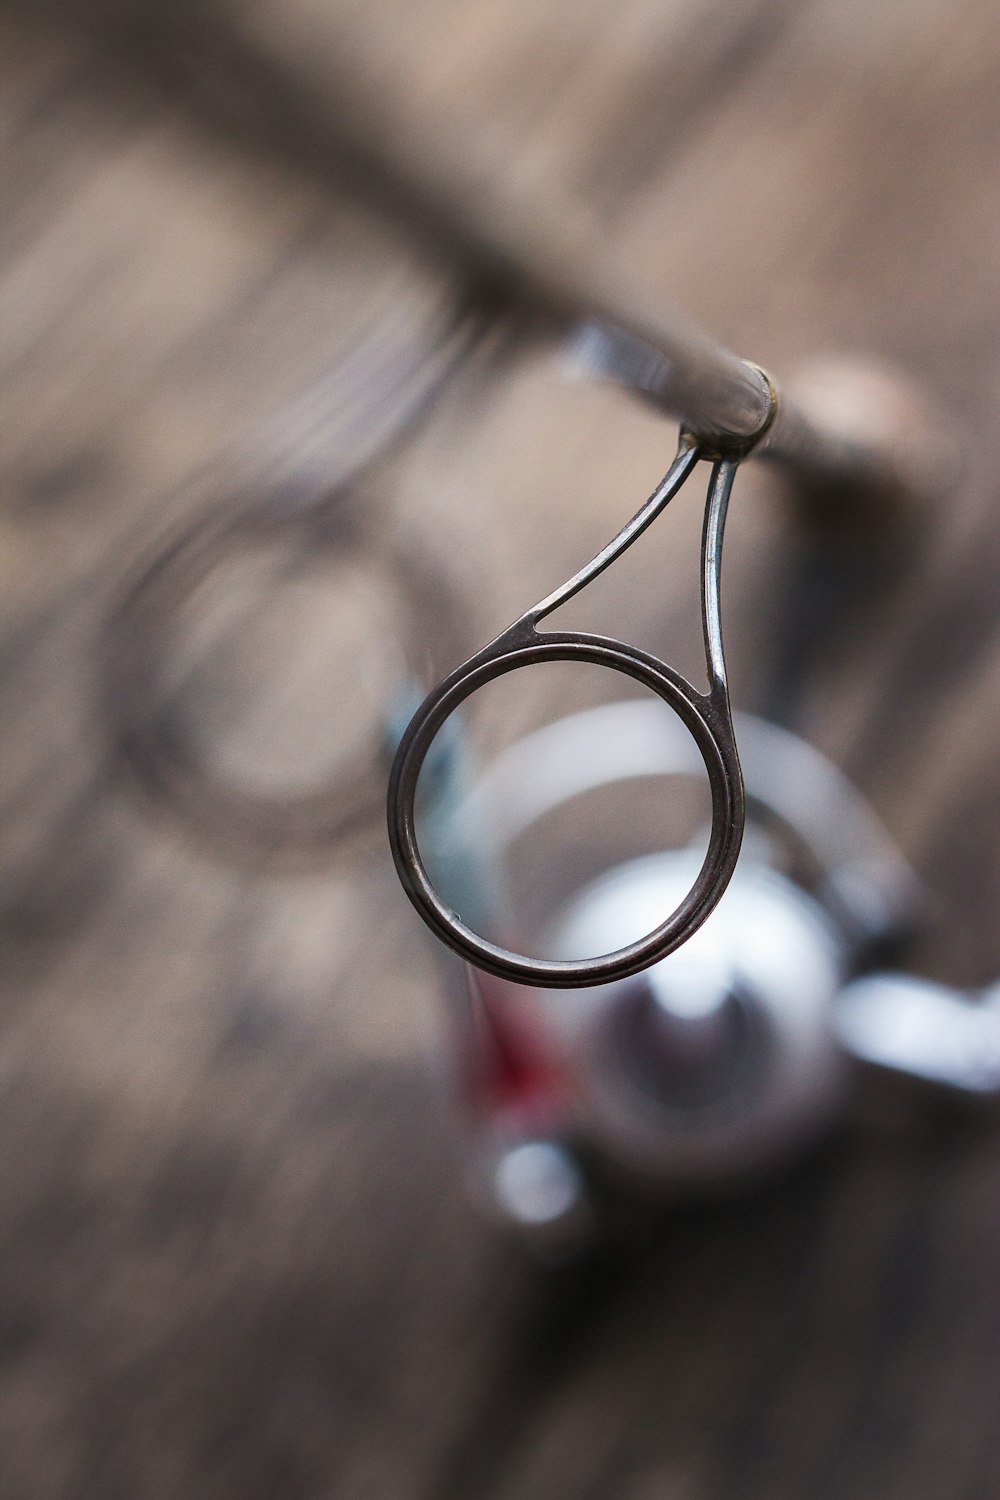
708, 725
706, 715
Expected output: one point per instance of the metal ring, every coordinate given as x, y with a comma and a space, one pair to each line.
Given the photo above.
705, 717
302, 484
150, 739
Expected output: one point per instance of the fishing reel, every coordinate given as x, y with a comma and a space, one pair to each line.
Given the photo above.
728, 1057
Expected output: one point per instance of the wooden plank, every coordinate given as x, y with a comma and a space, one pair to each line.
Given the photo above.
237, 1253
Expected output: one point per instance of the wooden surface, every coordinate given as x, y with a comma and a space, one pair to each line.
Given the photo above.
237, 1257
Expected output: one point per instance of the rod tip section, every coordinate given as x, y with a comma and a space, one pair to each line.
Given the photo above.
902, 450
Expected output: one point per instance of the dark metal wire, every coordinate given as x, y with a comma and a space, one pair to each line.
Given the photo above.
319, 511
151, 738
706, 715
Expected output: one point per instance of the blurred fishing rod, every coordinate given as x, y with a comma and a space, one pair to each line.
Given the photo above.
511, 257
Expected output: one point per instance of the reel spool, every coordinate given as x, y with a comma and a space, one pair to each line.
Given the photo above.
729, 1056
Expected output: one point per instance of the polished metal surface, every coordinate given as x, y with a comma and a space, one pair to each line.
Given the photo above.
729, 1056
706, 716
905, 1024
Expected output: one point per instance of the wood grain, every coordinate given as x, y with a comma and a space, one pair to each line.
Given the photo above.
237, 1255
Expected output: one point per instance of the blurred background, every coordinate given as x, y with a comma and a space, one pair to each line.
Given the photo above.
258, 473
